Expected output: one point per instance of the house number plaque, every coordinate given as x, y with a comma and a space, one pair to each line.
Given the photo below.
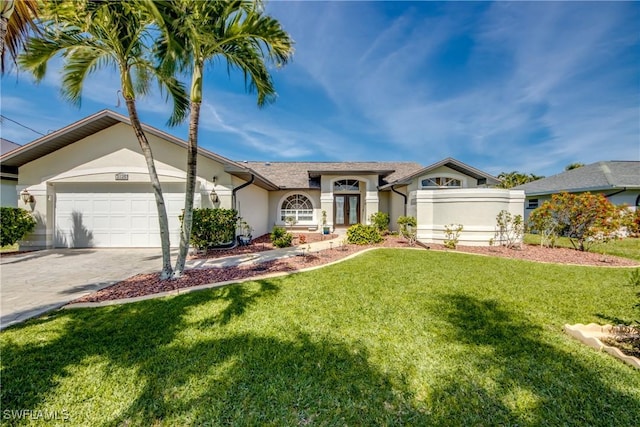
121, 176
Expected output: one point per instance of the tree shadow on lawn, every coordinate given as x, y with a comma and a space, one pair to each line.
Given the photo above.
193, 372
530, 381
193, 364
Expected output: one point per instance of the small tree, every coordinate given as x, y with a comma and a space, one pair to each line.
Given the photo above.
16, 223
509, 229
452, 235
586, 219
408, 229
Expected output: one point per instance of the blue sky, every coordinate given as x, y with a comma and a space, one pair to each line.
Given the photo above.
502, 86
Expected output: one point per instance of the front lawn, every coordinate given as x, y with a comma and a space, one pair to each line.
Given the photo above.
626, 248
392, 337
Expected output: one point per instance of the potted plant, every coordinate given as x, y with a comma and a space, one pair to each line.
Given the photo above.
325, 228
245, 237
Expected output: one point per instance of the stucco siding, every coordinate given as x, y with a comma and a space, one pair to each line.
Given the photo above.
476, 209
252, 203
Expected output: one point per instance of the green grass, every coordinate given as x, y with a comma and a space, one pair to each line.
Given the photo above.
393, 337
626, 248
9, 248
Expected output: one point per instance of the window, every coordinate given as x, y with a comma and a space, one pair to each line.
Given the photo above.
346, 185
297, 206
533, 204
441, 182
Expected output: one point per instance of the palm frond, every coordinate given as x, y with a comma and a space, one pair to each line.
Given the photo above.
21, 20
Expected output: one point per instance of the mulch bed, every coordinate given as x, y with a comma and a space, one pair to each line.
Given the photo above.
146, 284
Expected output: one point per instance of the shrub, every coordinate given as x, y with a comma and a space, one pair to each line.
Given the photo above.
408, 228
16, 223
361, 234
380, 221
213, 227
509, 229
452, 235
586, 219
280, 237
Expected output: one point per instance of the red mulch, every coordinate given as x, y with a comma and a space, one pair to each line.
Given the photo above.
146, 284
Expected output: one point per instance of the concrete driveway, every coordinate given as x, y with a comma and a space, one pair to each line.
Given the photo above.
36, 282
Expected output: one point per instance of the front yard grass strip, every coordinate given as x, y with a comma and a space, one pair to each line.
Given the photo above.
392, 337
626, 248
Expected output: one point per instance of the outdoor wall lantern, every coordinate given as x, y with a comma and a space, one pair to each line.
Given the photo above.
26, 196
213, 196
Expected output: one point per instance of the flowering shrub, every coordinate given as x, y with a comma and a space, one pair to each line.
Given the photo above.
586, 219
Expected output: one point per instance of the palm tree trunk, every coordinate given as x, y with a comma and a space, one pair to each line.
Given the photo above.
192, 159
167, 272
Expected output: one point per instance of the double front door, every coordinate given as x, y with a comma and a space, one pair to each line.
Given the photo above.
346, 210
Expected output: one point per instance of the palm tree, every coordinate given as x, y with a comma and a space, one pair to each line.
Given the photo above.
197, 32
91, 35
515, 178
16, 20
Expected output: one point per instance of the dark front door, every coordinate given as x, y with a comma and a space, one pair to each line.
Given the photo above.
346, 210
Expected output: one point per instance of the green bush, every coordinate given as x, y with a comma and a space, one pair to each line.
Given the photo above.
16, 223
380, 221
361, 234
280, 237
213, 227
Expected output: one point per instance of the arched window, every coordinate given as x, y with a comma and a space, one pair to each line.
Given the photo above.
346, 185
298, 207
441, 181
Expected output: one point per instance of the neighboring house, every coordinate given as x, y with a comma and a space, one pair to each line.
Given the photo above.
8, 178
90, 187
619, 181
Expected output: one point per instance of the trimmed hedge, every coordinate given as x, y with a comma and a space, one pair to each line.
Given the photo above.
361, 234
213, 227
15, 224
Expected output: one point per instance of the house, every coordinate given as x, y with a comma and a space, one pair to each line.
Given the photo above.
619, 181
87, 186
8, 179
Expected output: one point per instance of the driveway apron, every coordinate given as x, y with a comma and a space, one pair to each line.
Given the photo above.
36, 282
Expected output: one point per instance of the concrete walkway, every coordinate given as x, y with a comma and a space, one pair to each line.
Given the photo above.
34, 283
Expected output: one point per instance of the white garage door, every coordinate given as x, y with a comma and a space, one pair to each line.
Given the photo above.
125, 218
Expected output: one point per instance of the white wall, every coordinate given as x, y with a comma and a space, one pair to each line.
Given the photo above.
252, 203
475, 208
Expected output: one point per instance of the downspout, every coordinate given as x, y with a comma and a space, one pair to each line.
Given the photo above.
235, 190
404, 196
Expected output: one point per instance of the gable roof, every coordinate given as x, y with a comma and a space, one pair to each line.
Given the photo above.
606, 175
97, 122
451, 163
300, 174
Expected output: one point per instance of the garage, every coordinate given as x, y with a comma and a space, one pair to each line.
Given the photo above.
113, 215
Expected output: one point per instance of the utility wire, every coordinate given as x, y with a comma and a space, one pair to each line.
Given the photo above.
20, 124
